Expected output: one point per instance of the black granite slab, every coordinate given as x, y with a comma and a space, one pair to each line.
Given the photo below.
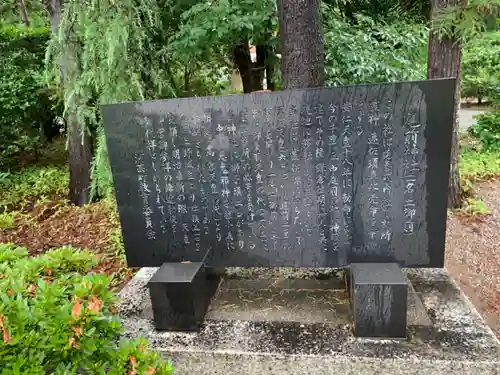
308, 178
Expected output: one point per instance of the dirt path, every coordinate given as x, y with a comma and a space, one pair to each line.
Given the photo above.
473, 254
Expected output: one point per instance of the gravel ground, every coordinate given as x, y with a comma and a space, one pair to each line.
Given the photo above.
473, 254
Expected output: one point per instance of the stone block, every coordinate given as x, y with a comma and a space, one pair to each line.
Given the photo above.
180, 294
379, 294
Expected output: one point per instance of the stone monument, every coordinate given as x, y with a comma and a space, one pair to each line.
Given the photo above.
338, 178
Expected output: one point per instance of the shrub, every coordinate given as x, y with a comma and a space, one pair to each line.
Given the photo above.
26, 106
481, 67
487, 129
55, 318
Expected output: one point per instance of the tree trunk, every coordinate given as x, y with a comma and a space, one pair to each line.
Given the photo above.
259, 67
80, 153
79, 147
302, 48
24, 12
54, 8
243, 61
444, 62
264, 55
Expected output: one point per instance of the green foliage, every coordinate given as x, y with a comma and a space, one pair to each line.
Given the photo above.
10, 253
372, 51
6, 220
481, 66
487, 130
383, 9
22, 52
37, 15
474, 206
221, 24
467, 20
33, 183
55, 320
117, 245
476, 164
114, 52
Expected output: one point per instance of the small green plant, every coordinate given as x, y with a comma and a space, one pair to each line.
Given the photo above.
474, 206
6, 220
56, 318
116, 242
478, 165
487, 130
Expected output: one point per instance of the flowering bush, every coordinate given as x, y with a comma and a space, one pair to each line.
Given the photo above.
56, 318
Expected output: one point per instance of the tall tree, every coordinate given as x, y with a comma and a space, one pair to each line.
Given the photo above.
80, 141
444, 62
302, 46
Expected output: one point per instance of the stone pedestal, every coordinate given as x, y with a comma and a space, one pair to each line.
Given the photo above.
379, 298
296, 327
180, 294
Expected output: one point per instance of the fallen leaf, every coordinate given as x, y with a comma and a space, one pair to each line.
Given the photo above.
10, 292
77, 309
72, 342
78, 331
150, 371
2, 319
49, 272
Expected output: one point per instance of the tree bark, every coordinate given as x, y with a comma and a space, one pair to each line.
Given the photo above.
80, 152
24, 12
302, 46
444, 62
243, 61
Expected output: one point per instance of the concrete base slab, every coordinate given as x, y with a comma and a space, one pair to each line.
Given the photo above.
281, 325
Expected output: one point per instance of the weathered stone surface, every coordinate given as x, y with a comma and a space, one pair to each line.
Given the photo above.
456, 342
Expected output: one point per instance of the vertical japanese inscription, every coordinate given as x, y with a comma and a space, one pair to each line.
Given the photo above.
387, 172
296, 178
374, 143
411, 169
144, 192
347, 169
336, 221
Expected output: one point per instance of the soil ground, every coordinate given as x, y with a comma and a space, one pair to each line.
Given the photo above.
57, 224
473, 254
